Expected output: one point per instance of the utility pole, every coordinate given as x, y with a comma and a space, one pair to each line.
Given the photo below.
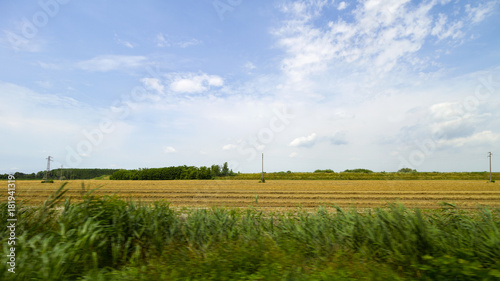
60, 177
489, 156
262, 168
48, 168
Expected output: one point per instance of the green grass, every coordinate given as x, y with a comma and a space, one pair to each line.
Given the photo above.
105, 238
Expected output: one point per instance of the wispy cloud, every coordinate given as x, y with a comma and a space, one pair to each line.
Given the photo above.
381, 35
153, 84
229, 146
162, 40
51, 66
188, 43
479, 138
106, 63
18, 42
443, 30
481, 11
169, 149
123, 42
249, 66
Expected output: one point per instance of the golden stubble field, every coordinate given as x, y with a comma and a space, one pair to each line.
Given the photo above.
280, 194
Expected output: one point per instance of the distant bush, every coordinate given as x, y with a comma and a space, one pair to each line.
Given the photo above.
366, 171
407, 170
324, 171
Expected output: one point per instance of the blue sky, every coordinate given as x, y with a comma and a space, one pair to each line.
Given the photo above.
311, 84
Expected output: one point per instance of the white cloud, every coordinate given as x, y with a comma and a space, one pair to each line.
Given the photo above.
188, 43
24, 37
112, 62
383, 35
304, 141
43, 124
229, 147
293, 154
169, 149
153, 83
192, 83
249, 65
161, 41
453, 31
481, 11
25, 96
484, 137
51, 66
128, 44
123, 42
342, 5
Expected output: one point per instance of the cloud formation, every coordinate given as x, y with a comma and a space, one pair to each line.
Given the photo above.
306, 141
107, 63
191, 83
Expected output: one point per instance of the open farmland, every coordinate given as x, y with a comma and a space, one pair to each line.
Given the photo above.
280, 194
106, 238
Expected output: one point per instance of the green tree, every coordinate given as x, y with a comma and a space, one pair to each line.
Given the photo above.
366, 171
215, 171
225, 170
407, 170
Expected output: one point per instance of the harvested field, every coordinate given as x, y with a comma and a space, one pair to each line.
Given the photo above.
281, 194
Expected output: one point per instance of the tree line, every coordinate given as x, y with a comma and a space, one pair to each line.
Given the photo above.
64, 174
174, 173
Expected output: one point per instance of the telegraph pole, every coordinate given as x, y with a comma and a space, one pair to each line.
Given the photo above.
48, 168
262, 168
60, 177
489, 156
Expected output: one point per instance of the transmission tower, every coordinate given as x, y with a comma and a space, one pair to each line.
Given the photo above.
48, 168
489, 156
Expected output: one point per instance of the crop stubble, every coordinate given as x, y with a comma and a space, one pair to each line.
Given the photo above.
282, 194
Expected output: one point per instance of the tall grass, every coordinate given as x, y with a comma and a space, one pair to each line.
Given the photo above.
105, 238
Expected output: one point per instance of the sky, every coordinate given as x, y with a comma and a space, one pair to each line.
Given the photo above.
315, 84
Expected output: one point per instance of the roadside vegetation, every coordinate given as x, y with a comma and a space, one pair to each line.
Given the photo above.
106, 238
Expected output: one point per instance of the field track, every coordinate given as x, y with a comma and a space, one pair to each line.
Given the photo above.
280, 194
